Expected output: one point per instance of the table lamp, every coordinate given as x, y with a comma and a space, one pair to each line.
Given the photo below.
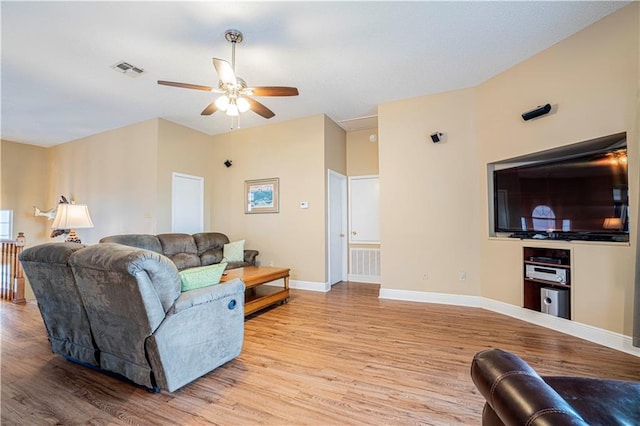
614, 223
72, 217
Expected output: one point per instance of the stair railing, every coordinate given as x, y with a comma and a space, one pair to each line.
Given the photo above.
11, 273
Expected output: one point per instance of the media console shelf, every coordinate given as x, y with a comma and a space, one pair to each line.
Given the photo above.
547, 271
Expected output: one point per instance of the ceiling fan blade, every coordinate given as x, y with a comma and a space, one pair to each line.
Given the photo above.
260, 109
210, 109
185, 85
225, 72
274, 91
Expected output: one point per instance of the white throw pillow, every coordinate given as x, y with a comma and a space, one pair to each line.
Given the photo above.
233, 252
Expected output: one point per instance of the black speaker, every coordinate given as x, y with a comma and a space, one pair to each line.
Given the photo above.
436, 137
536, 112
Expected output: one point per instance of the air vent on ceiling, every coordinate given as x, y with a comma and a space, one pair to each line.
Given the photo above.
127, 68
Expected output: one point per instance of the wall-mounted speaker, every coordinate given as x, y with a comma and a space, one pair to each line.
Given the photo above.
536, 112
436, 137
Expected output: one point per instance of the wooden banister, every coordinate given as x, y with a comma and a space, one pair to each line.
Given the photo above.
11, 273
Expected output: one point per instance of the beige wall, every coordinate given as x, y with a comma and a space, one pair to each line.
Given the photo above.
182, 150
429, 213
294, 152
435, 197
24, 177
24, 185
362, 160
362, 154
335, 147
115, 174
592, 78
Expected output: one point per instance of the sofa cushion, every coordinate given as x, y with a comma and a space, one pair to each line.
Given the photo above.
143, 241
234, 252
202, 276
181, 249
210, 246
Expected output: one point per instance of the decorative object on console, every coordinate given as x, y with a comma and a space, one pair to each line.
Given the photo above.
20, 239
51, 214
614, 223
261, 195
72, 217
436, 137
536, 112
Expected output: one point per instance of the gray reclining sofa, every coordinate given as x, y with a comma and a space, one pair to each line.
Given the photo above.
120, 309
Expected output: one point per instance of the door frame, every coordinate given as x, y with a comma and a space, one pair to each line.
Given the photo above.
342, 181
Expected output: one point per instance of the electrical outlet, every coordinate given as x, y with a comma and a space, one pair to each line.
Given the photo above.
462, 276
425, 276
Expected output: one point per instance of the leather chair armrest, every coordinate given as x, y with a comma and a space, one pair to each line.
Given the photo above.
517, 394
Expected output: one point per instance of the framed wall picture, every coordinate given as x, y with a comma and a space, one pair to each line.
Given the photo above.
261, 195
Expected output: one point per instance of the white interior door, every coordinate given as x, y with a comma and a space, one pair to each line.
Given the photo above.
337, 207
364, 210
187, 204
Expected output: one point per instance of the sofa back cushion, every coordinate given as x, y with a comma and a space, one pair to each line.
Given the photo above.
126, 292
143, 241
210, 245
51, 278
181, 249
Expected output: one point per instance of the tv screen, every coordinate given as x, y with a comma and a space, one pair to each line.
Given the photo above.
584, 197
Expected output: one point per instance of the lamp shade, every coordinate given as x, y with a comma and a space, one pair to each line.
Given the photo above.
612, 223
72, 216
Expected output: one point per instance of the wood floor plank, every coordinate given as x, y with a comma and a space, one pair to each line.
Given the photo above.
341, 358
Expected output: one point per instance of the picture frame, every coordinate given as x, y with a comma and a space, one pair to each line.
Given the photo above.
262, 196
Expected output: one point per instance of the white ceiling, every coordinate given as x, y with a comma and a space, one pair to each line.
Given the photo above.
344, 57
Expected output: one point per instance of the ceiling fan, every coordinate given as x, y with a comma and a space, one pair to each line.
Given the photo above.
236, 95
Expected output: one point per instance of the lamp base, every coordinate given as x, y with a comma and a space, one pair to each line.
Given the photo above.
73, 237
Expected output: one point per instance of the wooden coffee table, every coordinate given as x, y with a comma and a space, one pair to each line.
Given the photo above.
256, 295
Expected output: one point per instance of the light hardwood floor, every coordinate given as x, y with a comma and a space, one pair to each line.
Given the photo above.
344, 357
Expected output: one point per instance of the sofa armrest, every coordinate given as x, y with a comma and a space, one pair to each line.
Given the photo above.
517, 394
189, 299
250, 256
203, 330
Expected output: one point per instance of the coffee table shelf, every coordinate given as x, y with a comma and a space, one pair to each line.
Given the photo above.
257, 295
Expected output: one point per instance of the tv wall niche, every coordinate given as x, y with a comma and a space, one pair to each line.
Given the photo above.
577, 192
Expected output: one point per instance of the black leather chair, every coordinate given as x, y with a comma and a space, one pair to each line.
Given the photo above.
516, 395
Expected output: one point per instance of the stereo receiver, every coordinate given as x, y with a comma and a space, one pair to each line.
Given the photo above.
546, 273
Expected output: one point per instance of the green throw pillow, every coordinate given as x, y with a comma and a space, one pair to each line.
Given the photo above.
233, 252
202, 276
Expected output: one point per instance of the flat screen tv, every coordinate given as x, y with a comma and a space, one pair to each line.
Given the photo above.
584, 197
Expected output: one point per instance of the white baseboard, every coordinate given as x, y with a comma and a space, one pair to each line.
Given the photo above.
309, 286
597, 335
369, 279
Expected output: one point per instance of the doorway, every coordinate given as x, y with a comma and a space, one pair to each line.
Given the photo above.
337, 227
187, 204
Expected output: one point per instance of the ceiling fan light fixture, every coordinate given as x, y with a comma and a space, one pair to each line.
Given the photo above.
232, 110
243, 105
222, 103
